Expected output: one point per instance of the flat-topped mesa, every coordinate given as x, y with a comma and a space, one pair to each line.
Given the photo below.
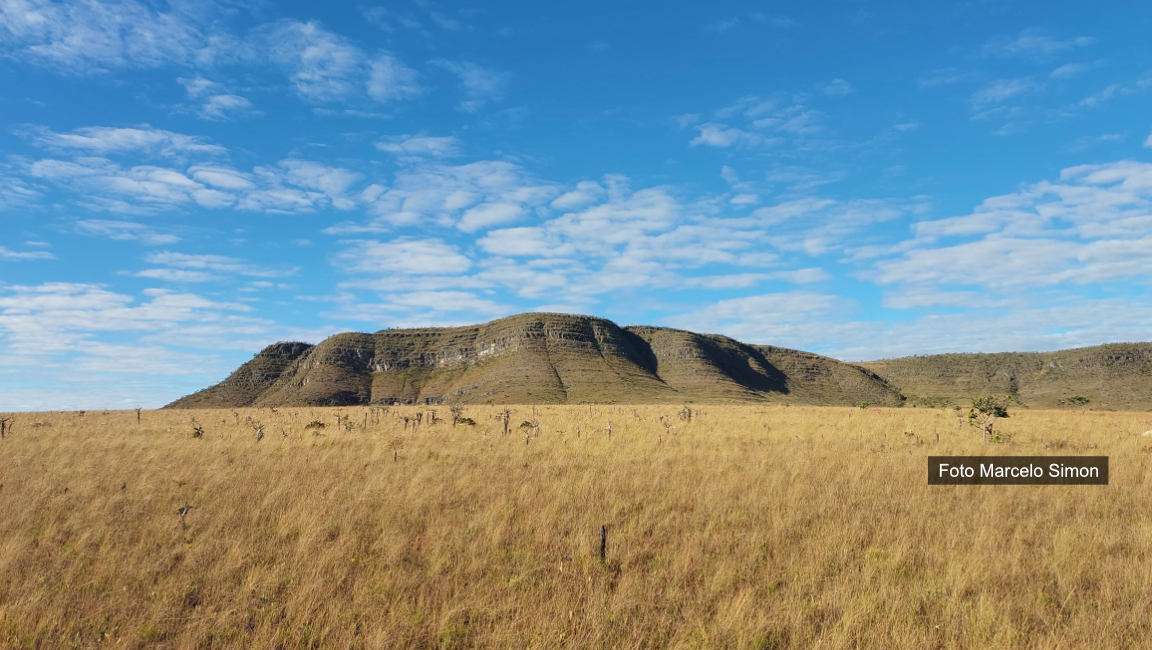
529, 358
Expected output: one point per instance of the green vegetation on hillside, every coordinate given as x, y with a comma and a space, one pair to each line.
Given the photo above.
538, 359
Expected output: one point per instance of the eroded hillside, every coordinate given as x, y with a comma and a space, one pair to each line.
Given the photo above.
538, 359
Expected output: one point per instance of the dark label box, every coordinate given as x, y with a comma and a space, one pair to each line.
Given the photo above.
1017, 470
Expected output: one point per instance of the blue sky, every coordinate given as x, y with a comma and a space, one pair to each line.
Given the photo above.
183, 183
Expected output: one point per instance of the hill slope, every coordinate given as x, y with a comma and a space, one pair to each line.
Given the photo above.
1114, 376
538, 359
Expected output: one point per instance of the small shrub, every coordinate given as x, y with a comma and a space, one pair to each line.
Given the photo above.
469, 421
1077, 401
984, 413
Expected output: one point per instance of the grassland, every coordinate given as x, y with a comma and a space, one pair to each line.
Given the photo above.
746, 527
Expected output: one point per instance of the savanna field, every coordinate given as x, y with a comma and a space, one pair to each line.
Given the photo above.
741, 527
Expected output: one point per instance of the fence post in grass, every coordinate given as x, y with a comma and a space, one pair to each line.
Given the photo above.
506, 415
137, 415
603, 542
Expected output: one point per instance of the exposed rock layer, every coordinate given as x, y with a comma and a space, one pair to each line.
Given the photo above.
542, 359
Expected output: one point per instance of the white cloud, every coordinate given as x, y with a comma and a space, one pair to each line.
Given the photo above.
103, 140
214, 101
479, 84
1091, 227
441, 194
782, 22
822, 323
84, 346
803, 276
378, 16
1069, 70
714, 134
177, 275
802, 179
198, 86
9, 255
335, 182
721, 26
324, 66
586, 192
990, 327
391, 80
687, 120
16, 192
95, 36
1003, 89
625, 240
417, 146
777, 318
222, 177
836, 87
57, 316
1148, 141
1089, 141
767, 122
293, 186
922, 297
440, 19
1034, 44
487, 215
816, 226
946, 77
423, 309
124, 231
148, 187
606, 237
404, 256
203, 263
1104, 95
91, 36
224, 107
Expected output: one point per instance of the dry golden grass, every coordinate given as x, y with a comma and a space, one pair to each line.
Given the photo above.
748, 527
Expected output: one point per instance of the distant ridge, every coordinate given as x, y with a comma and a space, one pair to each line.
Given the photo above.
538, 358
1114, 376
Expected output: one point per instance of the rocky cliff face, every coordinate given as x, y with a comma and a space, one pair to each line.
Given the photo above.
537, 358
